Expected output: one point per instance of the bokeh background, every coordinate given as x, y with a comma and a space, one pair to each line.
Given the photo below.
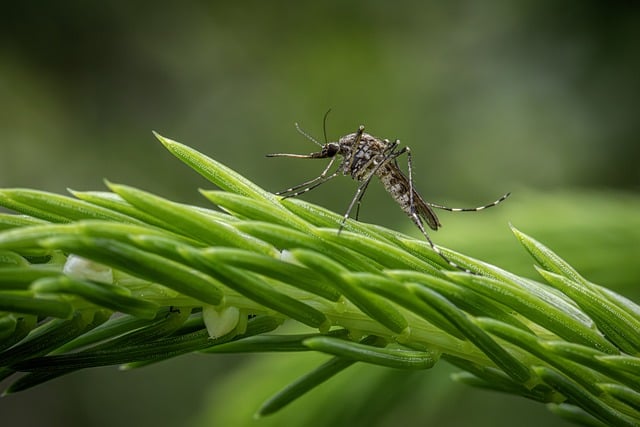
541, 98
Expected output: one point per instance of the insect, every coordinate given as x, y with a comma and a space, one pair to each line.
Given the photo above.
364, 156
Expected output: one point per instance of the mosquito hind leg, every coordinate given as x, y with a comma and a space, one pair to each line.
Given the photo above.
418, 222
416, 218
479, 208
412, 204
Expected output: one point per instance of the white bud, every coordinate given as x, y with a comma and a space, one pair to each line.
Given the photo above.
220, 320
82, 268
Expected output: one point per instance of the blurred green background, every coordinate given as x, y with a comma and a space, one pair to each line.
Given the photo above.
541, 98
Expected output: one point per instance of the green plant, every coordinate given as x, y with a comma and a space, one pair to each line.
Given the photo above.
129, 278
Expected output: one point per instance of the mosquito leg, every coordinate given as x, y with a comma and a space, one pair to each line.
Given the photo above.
356, 199
360, 200
433, 205
286, 194
416, 218
418, 222
310, 182
412, 205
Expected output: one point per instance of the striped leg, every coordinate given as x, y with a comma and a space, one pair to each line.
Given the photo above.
356, 199
359, 202
433, 205
311, 184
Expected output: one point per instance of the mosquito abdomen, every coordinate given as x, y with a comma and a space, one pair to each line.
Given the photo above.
398, 186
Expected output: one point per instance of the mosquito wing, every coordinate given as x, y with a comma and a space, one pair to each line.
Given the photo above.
425, 212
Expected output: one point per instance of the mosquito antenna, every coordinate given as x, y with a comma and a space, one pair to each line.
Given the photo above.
306, 135
324, 125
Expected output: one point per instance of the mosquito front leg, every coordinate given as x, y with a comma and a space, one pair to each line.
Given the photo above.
307, 189
311, 184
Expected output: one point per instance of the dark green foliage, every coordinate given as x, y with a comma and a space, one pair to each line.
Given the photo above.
159, 279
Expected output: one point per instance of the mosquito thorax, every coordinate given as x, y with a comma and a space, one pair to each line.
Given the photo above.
348, 139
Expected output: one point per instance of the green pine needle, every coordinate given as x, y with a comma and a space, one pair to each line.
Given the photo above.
129, 278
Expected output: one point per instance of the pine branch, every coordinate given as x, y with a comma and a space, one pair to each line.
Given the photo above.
129, 278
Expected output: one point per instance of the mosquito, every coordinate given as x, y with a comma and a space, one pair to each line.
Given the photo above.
363, 156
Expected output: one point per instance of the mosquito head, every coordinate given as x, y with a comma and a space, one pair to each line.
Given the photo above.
330, 149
